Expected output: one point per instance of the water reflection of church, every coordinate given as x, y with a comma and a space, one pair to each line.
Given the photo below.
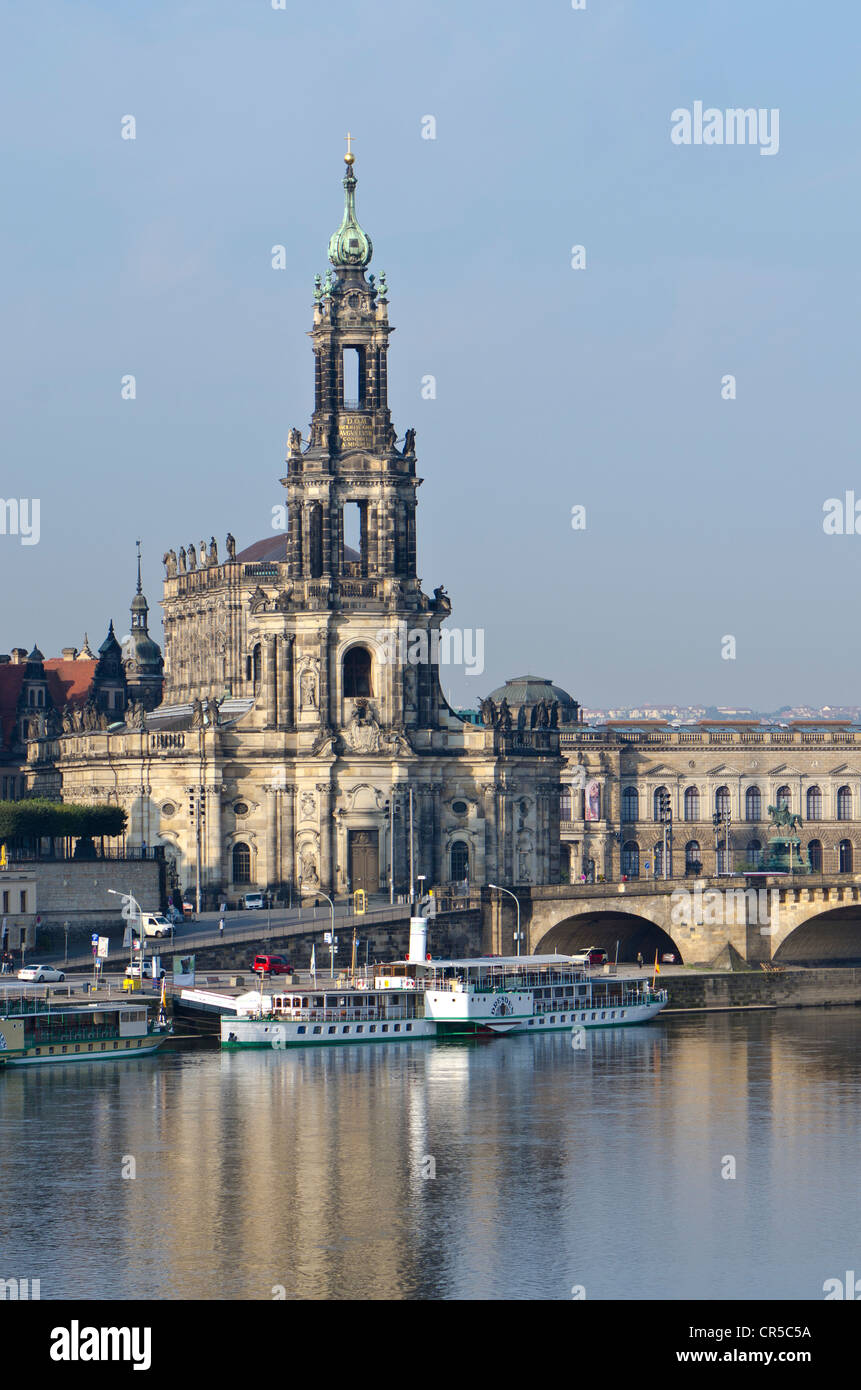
295, 743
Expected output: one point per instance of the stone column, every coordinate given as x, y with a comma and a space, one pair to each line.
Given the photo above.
270, 677
324, 790
272, 813
491, 867
215, 877
324, 701
285, 682
288, 847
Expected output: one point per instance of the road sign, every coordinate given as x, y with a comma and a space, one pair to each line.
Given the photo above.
94, 939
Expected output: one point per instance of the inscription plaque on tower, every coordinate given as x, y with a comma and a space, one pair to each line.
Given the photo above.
357, 431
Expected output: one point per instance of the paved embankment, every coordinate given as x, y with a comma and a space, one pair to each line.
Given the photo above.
800, 988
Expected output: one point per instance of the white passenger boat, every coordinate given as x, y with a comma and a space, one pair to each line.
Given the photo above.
35, 1031
445, 998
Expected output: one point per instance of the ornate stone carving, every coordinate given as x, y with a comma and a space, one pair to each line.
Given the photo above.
363, 731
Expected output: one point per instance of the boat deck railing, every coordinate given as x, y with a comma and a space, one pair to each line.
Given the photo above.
346, 1015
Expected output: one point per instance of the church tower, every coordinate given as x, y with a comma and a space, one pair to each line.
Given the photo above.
142, 659
356, 481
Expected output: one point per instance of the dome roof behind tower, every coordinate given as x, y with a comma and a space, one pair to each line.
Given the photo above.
531, 690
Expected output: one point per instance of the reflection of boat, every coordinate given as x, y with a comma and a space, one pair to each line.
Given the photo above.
446, 998
33, 1031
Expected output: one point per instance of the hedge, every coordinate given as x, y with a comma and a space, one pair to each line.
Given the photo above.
58, 819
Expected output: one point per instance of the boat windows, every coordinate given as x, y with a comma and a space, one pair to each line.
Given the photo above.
552, 1018
385, 1028
317, 1028
373, 1028
360, 1028
301, 1028
332, 1028
346, 1028
409, 1027
397, 1027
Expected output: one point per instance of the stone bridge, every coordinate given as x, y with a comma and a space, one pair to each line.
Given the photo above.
812, 918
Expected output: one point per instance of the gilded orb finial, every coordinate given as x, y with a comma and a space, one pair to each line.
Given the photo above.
349, 157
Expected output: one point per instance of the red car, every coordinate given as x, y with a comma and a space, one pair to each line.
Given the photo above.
272, 965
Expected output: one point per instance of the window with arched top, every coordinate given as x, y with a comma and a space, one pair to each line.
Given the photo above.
241, 863
459, 861
754, 853
814, 855
844, 803
692, 803
630, 804
784, 798
753, 804
631, 859
693, 857
722, 801
658, 802
357, 673
846, 857
814, 803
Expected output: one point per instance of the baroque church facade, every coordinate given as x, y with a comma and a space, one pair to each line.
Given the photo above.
302, 740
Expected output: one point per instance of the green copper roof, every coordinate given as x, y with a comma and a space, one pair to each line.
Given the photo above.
350, 246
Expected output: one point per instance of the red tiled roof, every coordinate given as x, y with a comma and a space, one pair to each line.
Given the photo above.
68, 683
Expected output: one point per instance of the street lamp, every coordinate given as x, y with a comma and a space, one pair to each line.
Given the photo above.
332, 934
130, 898
499, 889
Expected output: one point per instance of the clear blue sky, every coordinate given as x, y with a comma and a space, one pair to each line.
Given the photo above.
555, 387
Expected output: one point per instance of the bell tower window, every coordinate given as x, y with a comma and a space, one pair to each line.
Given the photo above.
353, 370
357, 673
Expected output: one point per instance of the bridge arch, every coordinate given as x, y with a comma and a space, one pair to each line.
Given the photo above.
633, 931
828, 938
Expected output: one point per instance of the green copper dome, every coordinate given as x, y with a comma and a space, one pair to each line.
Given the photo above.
350, 246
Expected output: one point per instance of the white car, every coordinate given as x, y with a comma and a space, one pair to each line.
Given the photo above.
41, 974
133, 971
255, 901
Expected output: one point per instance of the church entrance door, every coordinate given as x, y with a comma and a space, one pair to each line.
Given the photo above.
365, 860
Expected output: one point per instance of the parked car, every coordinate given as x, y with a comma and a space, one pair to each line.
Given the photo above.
593, 955
254, 900
133, 972
272, 965
41, 974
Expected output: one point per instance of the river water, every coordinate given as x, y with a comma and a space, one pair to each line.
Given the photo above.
514, 1168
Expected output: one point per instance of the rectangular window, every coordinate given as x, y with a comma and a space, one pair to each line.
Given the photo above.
301, 1028
409, 1027
23, 900
397, 1027
373, 1028
332, 1029
385, 1028
354, 377
360, 1028
318, 1029
6, 900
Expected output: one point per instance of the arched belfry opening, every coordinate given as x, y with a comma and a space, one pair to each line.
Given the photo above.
358, 674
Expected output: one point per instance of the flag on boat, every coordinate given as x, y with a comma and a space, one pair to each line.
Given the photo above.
313, 959
657, 967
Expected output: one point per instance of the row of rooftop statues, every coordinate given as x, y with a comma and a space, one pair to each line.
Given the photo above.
187, 561
543, 715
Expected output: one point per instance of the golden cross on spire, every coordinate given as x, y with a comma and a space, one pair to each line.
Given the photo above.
349, 157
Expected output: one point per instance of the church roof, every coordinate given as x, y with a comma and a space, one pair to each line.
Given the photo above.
350, 245
274, 549
530, 690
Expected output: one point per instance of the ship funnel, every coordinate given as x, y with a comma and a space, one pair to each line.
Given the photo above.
418, 940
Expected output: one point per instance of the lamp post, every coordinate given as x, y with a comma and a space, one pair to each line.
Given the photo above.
132, 899
331, 935
500, 889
